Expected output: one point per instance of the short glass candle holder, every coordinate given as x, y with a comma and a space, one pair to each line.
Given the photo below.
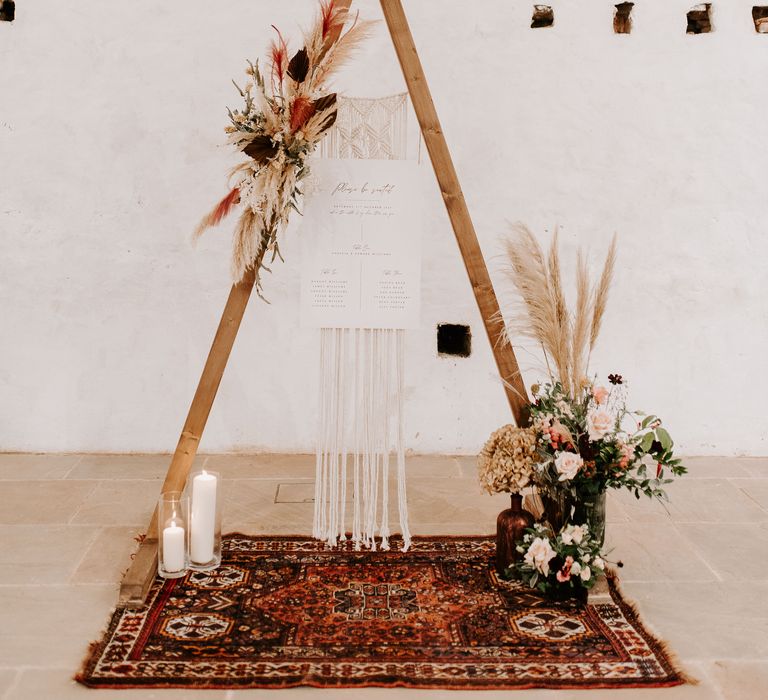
204, 488
172, 518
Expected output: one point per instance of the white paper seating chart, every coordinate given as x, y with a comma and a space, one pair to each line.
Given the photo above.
361, 259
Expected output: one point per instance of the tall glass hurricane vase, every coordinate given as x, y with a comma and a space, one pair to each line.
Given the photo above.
590, 509
562, 507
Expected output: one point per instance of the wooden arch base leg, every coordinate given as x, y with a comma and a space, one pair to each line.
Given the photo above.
138, 579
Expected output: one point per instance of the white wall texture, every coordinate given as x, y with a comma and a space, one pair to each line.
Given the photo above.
111, 120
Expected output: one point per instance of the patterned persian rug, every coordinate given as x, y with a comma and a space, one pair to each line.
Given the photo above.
282, 612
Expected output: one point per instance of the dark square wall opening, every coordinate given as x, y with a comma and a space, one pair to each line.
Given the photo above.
543, 16
760, 18
7, 10
622, 19
454, 340
700, 19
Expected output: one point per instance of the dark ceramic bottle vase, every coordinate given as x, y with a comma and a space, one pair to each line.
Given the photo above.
510, 528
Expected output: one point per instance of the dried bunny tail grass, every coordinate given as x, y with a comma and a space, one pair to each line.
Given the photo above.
246, 245
601, 294
527, 272
581, 323
561, 339
341, 52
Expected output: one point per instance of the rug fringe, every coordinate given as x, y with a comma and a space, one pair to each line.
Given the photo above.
93, 652
618, 594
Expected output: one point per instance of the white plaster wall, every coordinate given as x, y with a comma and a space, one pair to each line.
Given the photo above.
111, 116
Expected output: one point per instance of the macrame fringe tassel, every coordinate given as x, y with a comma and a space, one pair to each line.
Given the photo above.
361, 428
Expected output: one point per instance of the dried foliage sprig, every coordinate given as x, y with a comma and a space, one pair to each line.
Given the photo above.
566, 337
285, 115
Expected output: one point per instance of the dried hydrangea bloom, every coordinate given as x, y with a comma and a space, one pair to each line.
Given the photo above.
505, 463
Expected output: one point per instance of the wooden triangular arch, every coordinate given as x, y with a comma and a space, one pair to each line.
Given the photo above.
136, 583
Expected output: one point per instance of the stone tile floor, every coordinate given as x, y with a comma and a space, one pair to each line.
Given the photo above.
698, 571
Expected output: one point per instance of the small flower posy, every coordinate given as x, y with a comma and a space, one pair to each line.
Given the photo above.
569, 560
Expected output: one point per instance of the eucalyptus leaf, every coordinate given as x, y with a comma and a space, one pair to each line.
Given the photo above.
646, 442
647, 421
664, 438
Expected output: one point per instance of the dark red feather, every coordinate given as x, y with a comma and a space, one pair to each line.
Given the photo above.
328, 12
224, 207
279, 55
214, 217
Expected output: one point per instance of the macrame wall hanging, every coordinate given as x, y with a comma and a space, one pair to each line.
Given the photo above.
361, 431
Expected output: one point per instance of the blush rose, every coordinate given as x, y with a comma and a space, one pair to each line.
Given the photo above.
599, 423
568, 465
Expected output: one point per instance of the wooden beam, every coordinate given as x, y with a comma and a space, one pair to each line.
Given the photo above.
457, 207
138, 578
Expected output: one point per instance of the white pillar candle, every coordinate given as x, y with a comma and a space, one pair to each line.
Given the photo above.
173, 548
203, 520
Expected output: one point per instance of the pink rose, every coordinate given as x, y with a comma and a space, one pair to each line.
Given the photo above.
567, 465
539, 554
599, 423
600, 393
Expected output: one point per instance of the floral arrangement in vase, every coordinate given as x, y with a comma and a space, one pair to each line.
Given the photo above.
285, 114
587, 440
592, 442
563, 564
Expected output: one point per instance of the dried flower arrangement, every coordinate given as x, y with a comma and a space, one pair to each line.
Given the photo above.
279, 126
505, 464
